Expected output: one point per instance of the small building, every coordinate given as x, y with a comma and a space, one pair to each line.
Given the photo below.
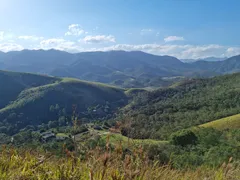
47, 136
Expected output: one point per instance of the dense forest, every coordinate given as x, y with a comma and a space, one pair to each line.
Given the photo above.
159, 113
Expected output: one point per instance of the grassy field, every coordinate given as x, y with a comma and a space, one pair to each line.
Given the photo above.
231, 122
115, 138
31, 165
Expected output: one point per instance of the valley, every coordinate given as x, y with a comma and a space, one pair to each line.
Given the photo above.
184, 120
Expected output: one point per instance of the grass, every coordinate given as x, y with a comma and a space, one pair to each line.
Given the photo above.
115, 138
100, 165
62, 135
231, 122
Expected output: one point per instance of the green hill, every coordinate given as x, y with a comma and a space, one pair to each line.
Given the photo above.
231, 122
29, 99
12, 83
156, 114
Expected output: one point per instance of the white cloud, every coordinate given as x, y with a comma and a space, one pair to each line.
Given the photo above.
31, 38
59, 44
99, 39
179, 51
1, 35
204, 51
5, 47
74, 30
173, 38
233, 51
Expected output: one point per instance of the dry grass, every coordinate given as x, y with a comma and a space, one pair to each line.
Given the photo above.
100, 165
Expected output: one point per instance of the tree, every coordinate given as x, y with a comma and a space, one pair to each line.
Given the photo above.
3, 129
57, 107
61, 121
52, 108
52, 124
208, 136
184, 138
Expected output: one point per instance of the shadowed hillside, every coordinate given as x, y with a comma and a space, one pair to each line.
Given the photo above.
29, 99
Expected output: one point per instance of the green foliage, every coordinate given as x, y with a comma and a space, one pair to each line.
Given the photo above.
157, 114
47, 100
184, 138
208, 136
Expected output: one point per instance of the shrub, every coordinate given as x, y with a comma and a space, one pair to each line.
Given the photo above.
184, 138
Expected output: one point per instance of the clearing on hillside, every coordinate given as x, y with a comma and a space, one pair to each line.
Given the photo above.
231, 122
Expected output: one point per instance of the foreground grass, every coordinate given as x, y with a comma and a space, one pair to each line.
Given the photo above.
231, 122
100, 165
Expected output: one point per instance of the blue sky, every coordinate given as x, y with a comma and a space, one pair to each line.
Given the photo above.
182, 28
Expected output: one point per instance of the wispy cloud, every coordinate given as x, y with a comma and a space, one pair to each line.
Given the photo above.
146, 31
60, 44
186, 51
99, 39
5, 47
173, 38
31, 38
233, 51
179, 51
74, 30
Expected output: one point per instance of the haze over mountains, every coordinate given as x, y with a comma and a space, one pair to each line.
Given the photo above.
211, 59
120, 68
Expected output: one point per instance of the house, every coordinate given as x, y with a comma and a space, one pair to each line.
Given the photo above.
46, 136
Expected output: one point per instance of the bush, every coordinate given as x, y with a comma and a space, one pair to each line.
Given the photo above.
184, 138
208, 136
160, 152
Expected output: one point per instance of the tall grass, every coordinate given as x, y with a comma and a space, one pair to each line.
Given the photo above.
100, 164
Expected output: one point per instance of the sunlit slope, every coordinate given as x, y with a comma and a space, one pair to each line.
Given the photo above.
231, 122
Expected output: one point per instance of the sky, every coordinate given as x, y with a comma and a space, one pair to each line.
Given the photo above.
186, 29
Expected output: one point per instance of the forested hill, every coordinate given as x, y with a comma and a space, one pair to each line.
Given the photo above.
32, 100
158, 113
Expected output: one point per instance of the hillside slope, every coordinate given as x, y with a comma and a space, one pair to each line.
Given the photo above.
30, 99
12, 83
158, 113
231, 122
227, 66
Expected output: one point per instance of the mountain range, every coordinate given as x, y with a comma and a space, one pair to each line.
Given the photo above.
119, 68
